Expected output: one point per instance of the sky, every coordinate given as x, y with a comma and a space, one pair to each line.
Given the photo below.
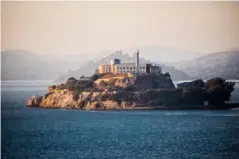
81, 27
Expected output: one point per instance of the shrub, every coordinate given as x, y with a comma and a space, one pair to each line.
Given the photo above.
95, 76
219, 91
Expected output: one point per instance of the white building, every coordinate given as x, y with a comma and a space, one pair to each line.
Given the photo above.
117, 67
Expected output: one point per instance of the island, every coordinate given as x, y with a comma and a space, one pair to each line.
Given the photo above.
135, 86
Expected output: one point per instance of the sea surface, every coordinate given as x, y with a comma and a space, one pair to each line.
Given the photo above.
60, 133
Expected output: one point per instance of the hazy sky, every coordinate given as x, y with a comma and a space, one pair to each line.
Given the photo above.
78, 27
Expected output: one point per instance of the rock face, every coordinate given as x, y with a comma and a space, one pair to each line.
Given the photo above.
107, 91
34, 101
126, 92
58, 99
82, 100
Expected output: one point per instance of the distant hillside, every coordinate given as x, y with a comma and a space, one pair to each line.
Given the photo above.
152, 53
159, 53
91, 66
220, 64
164, 54
24, 65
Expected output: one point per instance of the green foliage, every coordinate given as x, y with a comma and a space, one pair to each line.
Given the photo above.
70, 84
53, 86
95, 76
167, 75
194, 85
73, 84
71, 78
219, 90
83, 85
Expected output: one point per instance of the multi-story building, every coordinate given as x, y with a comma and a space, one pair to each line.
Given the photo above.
104, 68
117, 67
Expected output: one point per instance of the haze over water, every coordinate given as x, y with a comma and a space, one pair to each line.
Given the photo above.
61, 133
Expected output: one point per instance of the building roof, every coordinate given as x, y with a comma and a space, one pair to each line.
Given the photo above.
85, 79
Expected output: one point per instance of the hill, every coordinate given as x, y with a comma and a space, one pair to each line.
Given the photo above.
91, 66
152, 53
24, 65
223, 64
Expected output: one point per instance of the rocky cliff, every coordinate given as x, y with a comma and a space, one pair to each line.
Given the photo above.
103, 91
86, 100
126, 91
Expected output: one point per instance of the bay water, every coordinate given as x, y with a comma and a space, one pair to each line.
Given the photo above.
65, 133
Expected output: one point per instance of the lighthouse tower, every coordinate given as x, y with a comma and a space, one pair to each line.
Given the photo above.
137, 62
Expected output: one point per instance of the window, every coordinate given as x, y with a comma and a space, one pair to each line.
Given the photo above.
127, 67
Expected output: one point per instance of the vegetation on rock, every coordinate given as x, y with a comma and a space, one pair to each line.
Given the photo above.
124, 91
219, 90
216, 91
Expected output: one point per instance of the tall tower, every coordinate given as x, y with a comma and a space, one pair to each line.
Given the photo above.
137, 62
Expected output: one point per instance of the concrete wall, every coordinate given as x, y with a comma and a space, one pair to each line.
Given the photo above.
127, 68
104, 68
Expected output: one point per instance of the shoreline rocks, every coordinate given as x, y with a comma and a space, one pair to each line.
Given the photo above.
130, 92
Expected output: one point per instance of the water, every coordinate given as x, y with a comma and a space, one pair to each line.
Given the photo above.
59, 133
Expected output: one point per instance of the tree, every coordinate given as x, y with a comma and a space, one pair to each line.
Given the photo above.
95, 76
167, 75
71, 78
70, 83
219, 90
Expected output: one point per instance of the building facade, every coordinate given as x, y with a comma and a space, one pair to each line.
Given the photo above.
117, 67
104, 68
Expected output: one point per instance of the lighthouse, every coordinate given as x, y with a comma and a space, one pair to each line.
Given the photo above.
137, 62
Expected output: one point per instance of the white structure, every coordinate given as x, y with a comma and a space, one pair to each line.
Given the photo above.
130, 67
104, 68
117, 67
